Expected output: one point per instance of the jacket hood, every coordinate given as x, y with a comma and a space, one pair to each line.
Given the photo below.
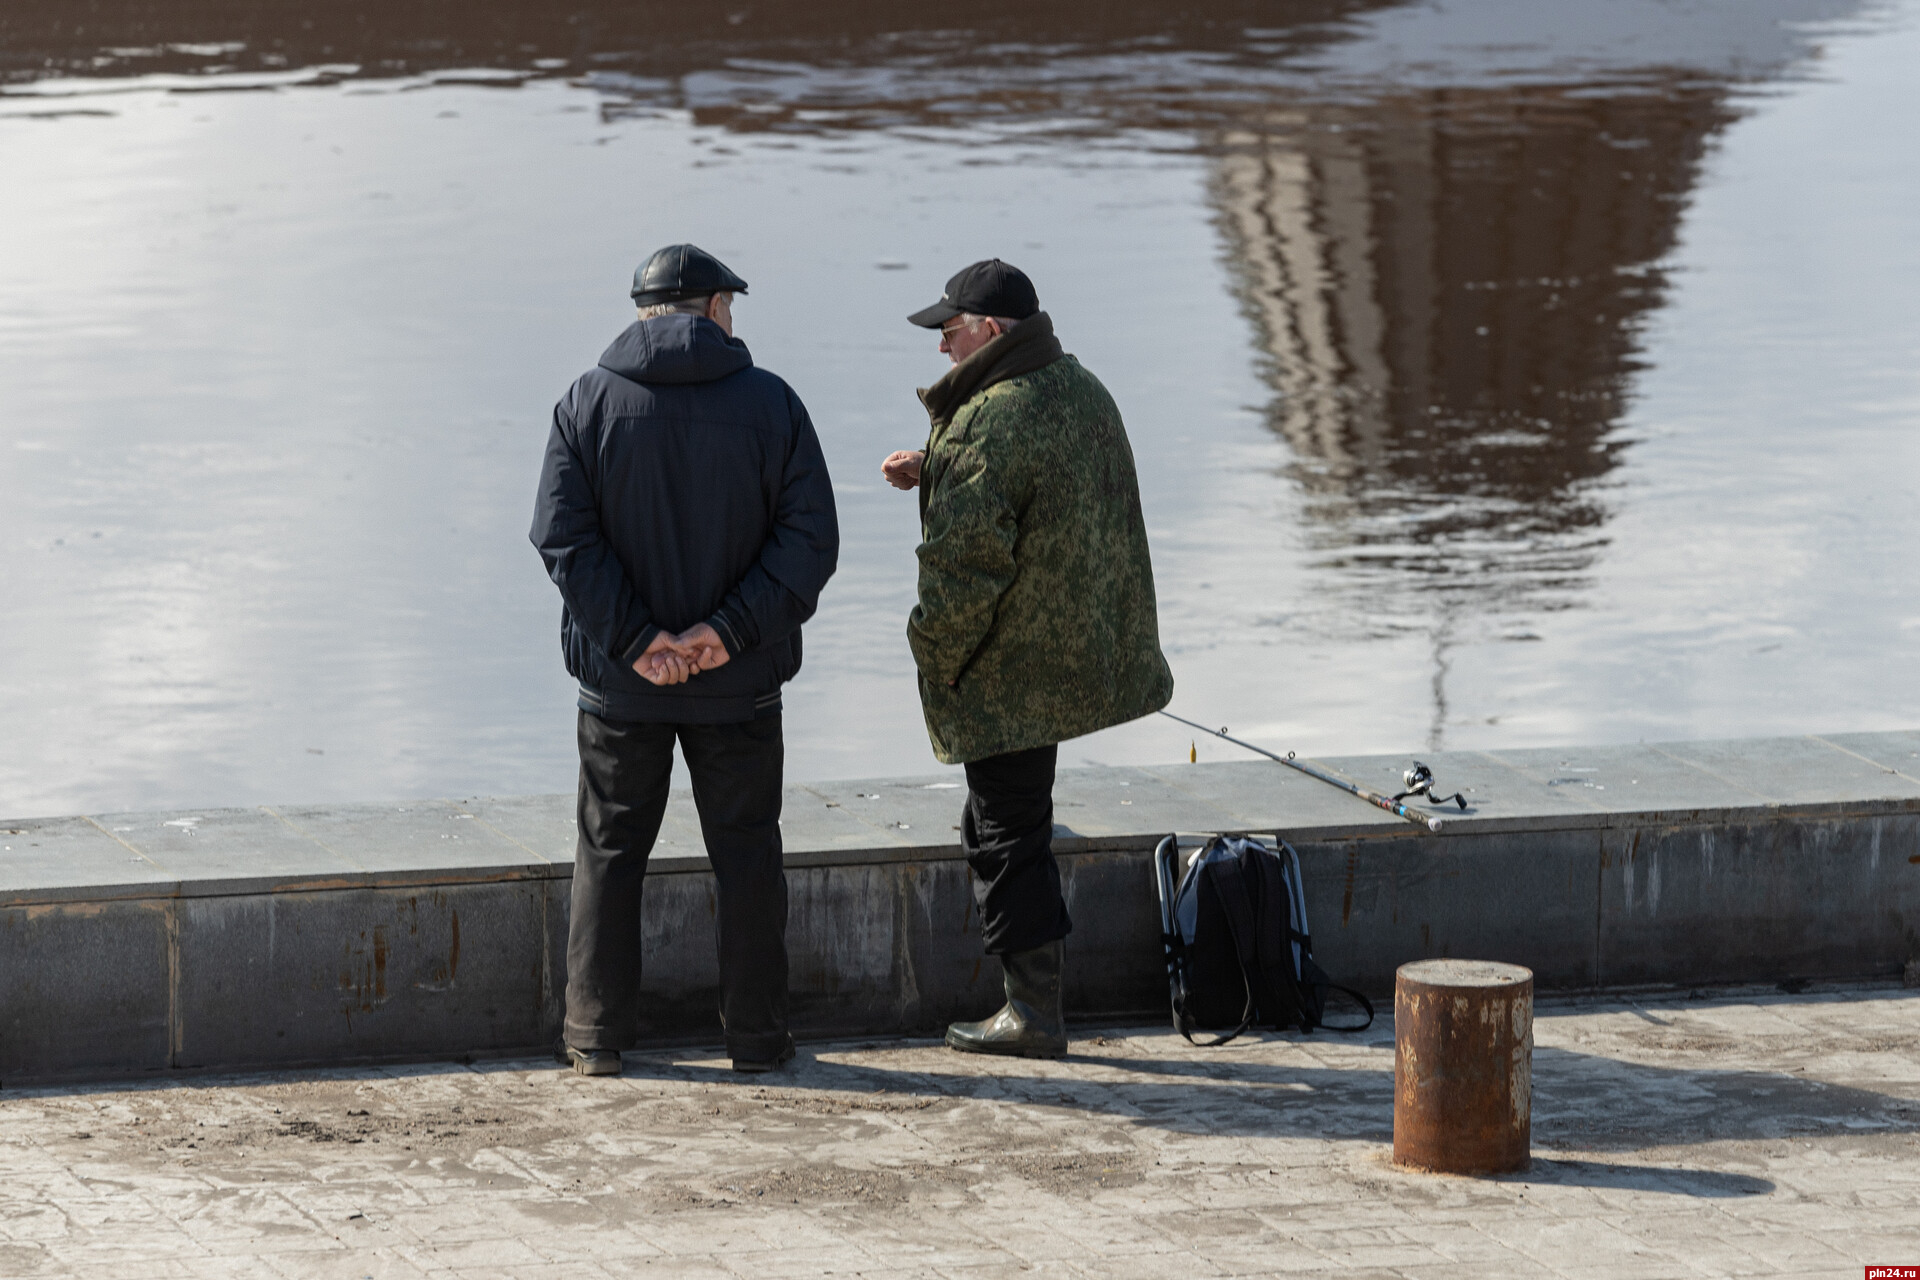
675, 348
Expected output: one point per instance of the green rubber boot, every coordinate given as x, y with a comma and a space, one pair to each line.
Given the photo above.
1031, 1024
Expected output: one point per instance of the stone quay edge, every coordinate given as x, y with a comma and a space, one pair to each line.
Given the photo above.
136, 943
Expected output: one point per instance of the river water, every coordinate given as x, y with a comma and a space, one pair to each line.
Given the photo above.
1499, 374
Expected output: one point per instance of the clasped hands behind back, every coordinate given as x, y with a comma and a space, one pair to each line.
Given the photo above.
675, 659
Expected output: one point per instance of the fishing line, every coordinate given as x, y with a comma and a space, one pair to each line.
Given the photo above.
1390, 803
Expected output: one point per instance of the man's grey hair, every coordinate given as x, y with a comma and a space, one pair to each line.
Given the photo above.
683, 307
1006, 323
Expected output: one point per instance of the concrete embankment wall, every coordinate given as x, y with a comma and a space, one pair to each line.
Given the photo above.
143, 943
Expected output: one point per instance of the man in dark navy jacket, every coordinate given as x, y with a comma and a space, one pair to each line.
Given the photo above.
686, 515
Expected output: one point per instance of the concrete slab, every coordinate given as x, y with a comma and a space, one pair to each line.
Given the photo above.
843, 818
1255, 795
1097, 805
88, 987
919, 814
1113, 955
1379, 903
321, 976
1636, 779
1744, 901
1897, 751
544, 826
227, 850
49, 859
434, 837
1796, 771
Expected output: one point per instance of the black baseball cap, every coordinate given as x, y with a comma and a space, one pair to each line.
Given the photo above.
682, 271
990, 288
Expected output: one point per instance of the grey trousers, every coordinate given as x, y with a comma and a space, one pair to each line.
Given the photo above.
624, 774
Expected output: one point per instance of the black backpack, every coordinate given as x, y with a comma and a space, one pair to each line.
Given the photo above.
1234, 925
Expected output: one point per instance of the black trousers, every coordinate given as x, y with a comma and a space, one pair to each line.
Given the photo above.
1007, 833
624, 774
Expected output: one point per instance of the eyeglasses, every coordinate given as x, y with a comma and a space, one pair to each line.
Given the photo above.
948, 330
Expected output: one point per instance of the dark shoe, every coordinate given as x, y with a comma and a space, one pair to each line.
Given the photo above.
594, 1062
1031, 1024
766, 1064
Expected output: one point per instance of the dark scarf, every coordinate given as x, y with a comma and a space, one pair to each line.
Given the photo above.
1028, 346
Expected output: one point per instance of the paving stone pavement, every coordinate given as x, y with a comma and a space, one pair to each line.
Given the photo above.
1737, 1133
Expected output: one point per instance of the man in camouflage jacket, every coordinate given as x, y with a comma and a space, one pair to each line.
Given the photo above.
1036, 619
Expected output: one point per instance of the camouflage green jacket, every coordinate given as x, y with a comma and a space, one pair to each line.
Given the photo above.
1036, 621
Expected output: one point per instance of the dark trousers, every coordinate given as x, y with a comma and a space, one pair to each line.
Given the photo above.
1007, 833
624, 773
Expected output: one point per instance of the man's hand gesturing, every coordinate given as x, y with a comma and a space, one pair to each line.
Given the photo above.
902, 468
663, 662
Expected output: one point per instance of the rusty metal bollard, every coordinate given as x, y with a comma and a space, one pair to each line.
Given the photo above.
1462, 1066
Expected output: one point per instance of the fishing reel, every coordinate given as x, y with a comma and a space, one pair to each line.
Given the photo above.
1419, 782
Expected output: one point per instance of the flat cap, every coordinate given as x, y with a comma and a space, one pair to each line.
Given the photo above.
682, 271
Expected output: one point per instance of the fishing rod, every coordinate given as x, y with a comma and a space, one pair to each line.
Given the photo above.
1389, 803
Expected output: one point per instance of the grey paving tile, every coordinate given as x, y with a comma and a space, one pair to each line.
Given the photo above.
1051, 1269
1514, 1265
682, 1268
23, 1259
540, 1271
492, 1255
344, 1263
692, 1268
578, 1167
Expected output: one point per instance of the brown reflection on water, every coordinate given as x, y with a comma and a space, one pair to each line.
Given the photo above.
1447, 284
648, 37
1449, 288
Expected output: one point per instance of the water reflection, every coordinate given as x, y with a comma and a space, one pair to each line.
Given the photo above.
1449, 288
1445, 283
664, 40
1447, 229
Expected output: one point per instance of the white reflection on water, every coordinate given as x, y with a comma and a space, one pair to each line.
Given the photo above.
276, 368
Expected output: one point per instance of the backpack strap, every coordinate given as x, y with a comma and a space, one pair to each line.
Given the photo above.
1237, 910
1261, 883
1173, 945
1284, 1000
1177, 982
1364, 1004
1316, 977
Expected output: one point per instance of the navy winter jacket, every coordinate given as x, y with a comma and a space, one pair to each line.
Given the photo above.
683, 485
